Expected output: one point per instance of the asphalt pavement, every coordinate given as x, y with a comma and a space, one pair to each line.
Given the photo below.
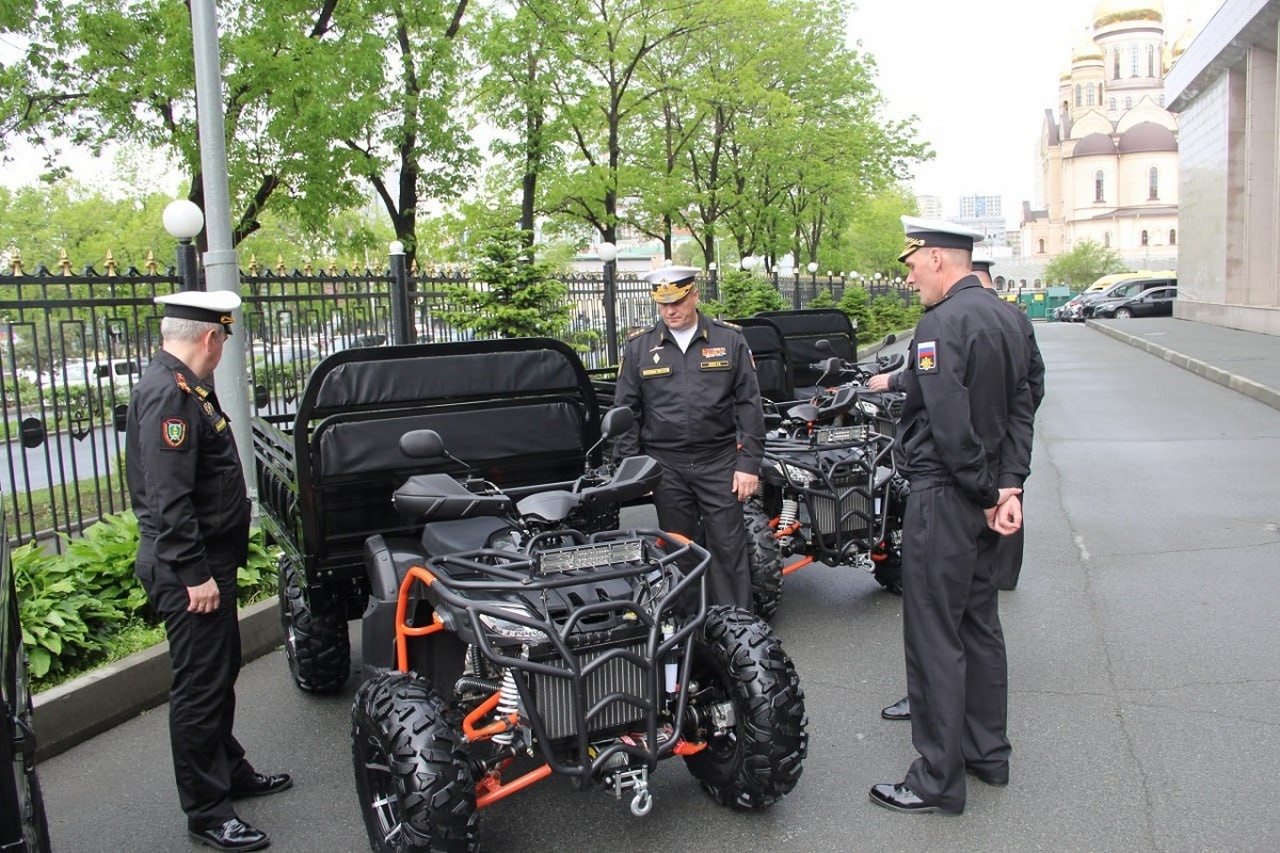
1144, 698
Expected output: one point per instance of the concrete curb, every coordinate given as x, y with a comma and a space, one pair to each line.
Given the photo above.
1248, 387
71, 713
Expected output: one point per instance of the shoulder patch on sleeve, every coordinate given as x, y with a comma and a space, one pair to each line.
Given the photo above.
174, 431
927, 357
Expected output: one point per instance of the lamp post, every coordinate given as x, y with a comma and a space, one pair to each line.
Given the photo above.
183, 220
402, 329
813, 279
608, 253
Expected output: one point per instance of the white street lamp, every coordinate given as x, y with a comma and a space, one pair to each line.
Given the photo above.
183, 219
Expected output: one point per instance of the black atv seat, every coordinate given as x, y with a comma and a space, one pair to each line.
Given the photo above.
465, 534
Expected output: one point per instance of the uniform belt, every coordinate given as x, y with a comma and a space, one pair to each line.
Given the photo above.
930, 481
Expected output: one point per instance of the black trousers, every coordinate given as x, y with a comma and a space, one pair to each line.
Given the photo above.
957, 673
695, 496
205, 652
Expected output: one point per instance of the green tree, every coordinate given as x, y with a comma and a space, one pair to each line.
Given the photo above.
517, 298
1080, 267
611, 39
321, 101
872, 237
741, 295
856, 302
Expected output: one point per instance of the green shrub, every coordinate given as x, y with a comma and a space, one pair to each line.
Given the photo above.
84, 607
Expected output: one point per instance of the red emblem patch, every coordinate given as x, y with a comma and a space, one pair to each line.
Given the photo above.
174, 431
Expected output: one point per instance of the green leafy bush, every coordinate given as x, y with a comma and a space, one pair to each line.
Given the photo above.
82, 608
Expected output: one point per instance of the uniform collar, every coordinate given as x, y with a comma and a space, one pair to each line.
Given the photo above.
967, 283
178, 369
703, 331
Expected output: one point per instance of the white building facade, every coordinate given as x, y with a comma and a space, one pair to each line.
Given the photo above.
1109, 158
1227, 89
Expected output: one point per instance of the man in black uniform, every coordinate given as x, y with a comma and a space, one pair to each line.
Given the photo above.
188, 492
692, 384
966, 441
1008, 553
1009, 549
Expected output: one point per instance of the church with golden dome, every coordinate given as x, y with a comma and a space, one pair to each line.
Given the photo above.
1109, 150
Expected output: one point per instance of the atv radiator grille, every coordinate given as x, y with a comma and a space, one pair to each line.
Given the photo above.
617, 675
849, 509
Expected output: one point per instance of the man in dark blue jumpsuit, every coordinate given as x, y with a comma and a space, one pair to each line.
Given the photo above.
966, 441
188, 492
692, 385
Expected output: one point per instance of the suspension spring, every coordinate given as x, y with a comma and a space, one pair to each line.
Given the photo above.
790, 510
508, 704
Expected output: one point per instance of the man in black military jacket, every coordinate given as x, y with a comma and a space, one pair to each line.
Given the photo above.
1010, 548
966, 441
692, 384
188, 492
1008, 553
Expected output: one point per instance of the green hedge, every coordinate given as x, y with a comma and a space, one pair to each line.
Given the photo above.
84, 607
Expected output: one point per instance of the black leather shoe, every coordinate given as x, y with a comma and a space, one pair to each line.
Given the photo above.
262, 785
900, 710
900, 798
996, 779
235, 834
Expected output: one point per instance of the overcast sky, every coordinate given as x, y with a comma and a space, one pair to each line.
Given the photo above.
980, 76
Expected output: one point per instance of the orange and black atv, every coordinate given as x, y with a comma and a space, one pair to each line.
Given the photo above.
524, 648
829, 487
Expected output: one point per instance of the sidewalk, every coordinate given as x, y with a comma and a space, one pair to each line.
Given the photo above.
1247, 362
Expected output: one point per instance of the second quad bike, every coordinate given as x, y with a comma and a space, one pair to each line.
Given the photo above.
522, 648
829, 487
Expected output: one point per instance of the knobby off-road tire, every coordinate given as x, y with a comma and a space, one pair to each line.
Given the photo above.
315, 641
416, 787
765, 563
760, 759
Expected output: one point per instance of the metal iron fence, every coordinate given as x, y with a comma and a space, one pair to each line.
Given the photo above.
72, 345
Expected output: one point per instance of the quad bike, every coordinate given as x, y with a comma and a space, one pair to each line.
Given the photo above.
829, 488
524, 649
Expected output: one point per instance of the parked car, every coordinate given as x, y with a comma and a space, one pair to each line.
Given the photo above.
1069, 310
356, 342
1156, 302
121, 372
1119, 292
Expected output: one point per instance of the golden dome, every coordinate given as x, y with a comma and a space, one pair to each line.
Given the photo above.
1184, 40
1112, 11
1086, 47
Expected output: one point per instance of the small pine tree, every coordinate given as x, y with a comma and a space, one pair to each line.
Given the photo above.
741, 295
518, 298
856, 302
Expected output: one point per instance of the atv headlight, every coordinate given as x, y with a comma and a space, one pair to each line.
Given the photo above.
797, 475
513, 630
